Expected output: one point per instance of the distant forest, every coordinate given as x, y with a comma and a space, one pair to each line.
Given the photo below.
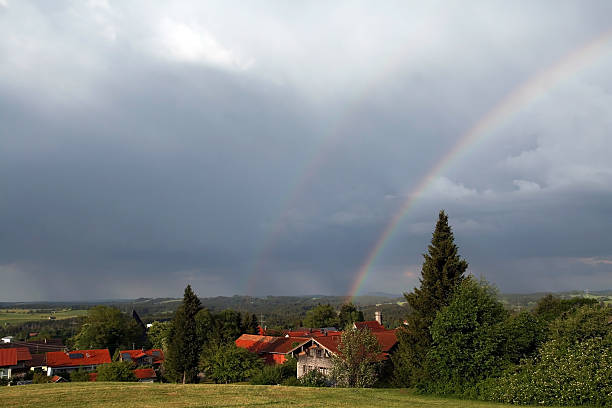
278, 312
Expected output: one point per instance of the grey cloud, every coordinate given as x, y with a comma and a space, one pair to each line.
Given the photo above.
243, 148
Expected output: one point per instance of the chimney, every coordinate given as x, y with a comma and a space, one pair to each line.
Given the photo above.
378, 316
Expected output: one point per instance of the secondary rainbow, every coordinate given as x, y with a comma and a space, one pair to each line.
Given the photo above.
511, 104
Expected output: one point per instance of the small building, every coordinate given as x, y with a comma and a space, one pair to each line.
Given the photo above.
273, 350
145, 375
8, 339
14, 361
66, 362
153, 357
318, 352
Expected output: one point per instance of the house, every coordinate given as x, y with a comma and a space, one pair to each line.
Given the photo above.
65, 362
8, 339
318, 352
153, 357
273, 350
14, 361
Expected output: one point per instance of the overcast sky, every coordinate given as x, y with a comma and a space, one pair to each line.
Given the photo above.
262, 147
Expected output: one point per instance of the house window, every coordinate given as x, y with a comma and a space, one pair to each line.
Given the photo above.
304, 369
319, 353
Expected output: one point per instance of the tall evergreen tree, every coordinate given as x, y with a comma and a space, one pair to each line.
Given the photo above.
442, 271
184, 346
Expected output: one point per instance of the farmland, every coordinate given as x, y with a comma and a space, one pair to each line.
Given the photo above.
18, 316
132, 395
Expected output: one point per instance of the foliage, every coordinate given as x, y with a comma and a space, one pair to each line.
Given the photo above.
315, 378
116, 371
551, 307
442, 271
524, 333
250, 324
468, 340
227, 363
158, 334
584, 323
229, 325
276, 374
321, 316
184, 345
563, 374
108, 327
357, 363
349, 314
573, 367
79, 376
40, 377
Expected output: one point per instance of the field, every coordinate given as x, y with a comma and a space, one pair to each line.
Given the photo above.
17, 316
132, 395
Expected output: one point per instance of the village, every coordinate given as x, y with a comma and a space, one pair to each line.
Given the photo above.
313, 348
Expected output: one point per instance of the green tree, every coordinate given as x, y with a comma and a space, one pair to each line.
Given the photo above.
184, 346
229, 325
206, 327
551, 307
349, 314
321, 316
468, 340
116, 371
250, 324
108, 327
357, 363
227, 363
442, 271
158, 334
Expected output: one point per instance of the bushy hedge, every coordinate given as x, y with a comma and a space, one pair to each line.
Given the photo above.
276, 374
563, 374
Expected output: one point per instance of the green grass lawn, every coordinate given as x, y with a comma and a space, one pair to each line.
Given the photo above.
129, 395
17, 316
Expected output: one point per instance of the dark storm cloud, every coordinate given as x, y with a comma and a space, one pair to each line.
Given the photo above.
264, 149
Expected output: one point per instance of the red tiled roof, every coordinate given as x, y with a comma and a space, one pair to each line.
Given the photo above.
8, 357
90, 357
23, 354
144, 373
269, 344
312, 333
373, 325
136, 354
386, 339
11, 356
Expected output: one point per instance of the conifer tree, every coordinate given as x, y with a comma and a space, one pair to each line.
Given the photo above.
184, 345
442, 271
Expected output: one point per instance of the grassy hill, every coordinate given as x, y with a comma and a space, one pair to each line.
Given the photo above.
131, 395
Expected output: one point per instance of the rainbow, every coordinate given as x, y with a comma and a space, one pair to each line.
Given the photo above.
511, 104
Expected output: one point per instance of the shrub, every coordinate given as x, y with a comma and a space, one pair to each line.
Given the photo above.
276, 374
573, 367
563, 374
40, 377
314, 378
80, 376
228, 363
117, 371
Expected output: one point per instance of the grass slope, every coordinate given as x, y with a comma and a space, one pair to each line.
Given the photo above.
130, 395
